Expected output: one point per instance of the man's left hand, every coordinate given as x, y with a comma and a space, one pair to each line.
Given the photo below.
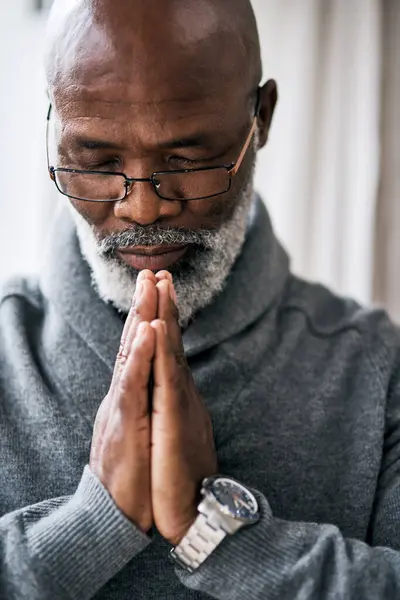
183, 450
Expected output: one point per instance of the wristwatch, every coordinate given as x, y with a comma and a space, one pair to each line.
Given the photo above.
227, 506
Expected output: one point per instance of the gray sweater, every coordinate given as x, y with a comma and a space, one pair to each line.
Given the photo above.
303, 390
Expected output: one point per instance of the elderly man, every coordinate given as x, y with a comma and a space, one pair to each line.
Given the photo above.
233, 432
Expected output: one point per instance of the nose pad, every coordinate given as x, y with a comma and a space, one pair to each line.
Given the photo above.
156, 183
128, 187
142, 204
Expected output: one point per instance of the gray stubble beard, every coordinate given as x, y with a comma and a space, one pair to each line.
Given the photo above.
197, 283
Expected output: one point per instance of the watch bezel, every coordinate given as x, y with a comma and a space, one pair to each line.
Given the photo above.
207, 491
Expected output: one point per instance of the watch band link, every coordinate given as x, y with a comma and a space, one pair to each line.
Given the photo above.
200, 541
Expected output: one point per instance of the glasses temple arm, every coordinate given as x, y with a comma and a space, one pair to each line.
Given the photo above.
235, 168
258, 103
233, 171
47, 142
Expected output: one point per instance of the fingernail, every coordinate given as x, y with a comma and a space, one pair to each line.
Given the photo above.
155, 324
161, 275
143, 276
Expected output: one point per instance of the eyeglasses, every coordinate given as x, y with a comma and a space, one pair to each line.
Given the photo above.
182, 185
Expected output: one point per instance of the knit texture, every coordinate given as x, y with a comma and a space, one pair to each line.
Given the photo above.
303, 390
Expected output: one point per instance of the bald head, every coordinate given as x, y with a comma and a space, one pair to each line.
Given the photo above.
158, 90
193, 43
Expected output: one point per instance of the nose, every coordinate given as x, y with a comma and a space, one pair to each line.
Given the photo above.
144, 207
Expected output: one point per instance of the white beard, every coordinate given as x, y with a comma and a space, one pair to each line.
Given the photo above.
115, 282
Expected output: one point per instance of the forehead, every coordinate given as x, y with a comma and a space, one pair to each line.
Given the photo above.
172, 76
113, 107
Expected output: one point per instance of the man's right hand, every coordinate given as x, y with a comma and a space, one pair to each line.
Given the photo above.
120, 453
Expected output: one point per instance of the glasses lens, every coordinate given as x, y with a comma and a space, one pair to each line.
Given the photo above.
92, 187
193, 185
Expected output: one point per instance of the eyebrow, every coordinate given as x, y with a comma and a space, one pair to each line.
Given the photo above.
195, 141
91, 144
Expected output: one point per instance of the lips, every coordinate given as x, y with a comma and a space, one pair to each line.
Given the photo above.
154, 258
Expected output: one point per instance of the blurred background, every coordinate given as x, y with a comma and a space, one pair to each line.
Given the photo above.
330, 175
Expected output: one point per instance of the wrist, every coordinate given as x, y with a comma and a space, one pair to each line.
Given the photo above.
227, 506
176, 540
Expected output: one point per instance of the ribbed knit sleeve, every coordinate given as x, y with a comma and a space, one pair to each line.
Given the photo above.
66, 548
277, 559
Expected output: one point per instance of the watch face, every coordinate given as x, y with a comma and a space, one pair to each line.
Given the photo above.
235, 499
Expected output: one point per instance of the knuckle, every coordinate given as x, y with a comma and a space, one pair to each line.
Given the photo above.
175, 311
175, 379
181, 361
129, 397
121, 357
181, 391
142, 423
136, 307
123, 393
119, 366
121, 348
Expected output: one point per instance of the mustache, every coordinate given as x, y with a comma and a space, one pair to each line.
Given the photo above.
156, 236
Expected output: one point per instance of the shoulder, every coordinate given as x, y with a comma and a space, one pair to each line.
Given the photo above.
21, 322
329, 313
345, 324
21, 289
21, 300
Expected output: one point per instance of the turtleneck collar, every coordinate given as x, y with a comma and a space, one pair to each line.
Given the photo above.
255, 281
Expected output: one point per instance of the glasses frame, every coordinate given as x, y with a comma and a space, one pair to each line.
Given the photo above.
232, 168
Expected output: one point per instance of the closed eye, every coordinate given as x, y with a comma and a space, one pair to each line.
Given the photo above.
187, 163
108, 165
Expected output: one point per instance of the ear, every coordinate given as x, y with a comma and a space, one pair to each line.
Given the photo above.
268, 102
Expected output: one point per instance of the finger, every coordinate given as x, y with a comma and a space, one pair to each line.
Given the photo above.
145, 306
143, 309
172, 293
129, 390
133, 382
99, 428
164, 367
164, 275
147, 274
142, 277
168, 312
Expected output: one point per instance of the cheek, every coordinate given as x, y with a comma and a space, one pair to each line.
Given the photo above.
210, 213
214, 211
95, 213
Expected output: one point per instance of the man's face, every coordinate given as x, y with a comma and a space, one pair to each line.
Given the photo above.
140, 119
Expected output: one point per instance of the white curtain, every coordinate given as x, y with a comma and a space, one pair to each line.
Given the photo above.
332, 163
22, 126
319, 175
387, 255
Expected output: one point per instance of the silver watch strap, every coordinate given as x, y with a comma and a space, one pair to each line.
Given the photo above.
201, 540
